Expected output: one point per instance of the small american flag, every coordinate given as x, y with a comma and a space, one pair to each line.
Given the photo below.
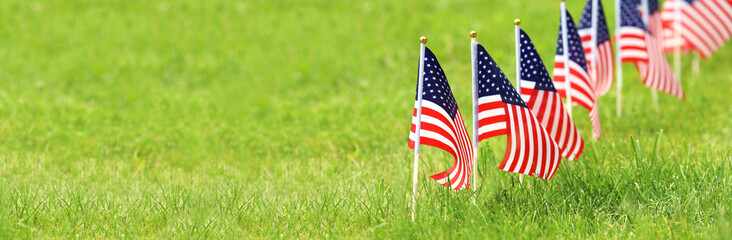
582, 91
705, 25
637, 46
605, 65
545, 102
442, 125
530, 150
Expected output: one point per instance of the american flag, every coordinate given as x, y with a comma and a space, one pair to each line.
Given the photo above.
442, 125
530, 150
654, 19
637, 46
581, 88
545, 102
605, 65
705, 25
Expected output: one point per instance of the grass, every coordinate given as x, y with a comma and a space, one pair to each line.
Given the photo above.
289, 119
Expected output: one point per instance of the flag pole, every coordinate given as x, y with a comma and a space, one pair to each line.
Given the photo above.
594, 40
565, 47
646, 13
422, 42
677, 38
695, 65
618, 63
595, 75
517, 37
474, 67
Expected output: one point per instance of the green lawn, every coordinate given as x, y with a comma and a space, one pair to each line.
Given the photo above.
290, 119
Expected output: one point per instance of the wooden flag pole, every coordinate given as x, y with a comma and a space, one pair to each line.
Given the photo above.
646, 12
422, 42
565, 47
474, 69
654, 98
695, 65
677, 39
517, 37
593, 28
618, 63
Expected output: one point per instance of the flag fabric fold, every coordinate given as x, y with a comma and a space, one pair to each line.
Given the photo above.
581, 88
442, 125
530, 149
639, 47
545, 102
603, 74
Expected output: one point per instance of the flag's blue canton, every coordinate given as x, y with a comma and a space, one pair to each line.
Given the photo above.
492, 81
690, 1
576, 51
653, 6
629, 16
435, 88
603, 34
532, 68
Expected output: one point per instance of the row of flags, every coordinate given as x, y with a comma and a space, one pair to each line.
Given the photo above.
701, 26
640, 46
538, 125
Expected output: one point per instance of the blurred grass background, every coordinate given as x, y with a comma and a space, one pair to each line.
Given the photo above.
289, 119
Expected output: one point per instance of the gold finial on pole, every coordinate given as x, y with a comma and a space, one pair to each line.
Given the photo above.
473, 34
423, 39
517, 21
